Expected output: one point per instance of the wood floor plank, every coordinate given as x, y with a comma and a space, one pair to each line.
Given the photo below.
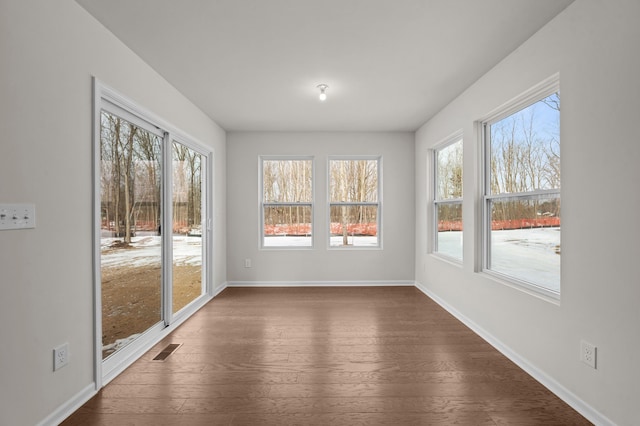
167, 379
186, 391
139, 405
228, 349
363, 419
324, 356
480, 390
379, 404
472, 376
110, 419
426, 356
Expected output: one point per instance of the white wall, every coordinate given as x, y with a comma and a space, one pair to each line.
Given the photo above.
393, 263
593, 44
50, 50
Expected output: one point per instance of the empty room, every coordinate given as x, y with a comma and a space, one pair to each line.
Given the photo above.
240, 212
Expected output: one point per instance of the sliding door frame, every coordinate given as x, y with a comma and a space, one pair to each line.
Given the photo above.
107, 99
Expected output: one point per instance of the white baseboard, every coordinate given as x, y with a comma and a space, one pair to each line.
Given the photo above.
216, 291
563, 393
397, 283
69, 407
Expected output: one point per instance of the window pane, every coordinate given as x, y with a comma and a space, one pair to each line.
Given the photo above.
130, 243
287, 181
525, 149
353, 225
525, 240
287, 226
449, 171
187, 226
524, 158
353, 180
449, 236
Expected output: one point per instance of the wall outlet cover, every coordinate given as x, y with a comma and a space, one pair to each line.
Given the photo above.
588, 353
60, 356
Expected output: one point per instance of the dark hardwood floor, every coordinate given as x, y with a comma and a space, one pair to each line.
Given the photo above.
324, 356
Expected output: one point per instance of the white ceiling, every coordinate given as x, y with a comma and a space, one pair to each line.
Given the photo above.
255, 64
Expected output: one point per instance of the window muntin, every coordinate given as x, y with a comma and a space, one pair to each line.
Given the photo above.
447, 200
287, 202
354, 202
522, 194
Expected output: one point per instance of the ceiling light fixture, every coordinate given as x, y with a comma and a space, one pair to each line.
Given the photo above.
323, 95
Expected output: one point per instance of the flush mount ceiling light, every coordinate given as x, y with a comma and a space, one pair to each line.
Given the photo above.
323, 95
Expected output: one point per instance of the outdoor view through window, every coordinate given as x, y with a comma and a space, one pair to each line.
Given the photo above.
354, 202
522, 199
132, 207
287, 199
448, 199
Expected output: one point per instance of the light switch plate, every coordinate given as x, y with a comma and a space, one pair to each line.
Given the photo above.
17, 216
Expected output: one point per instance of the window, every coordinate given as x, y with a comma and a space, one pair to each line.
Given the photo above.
447, 198
354, 202
522, 192
287, 202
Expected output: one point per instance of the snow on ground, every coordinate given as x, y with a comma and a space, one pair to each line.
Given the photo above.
336, 241
450, 244
187, 250
287, 241
120, 343
146, 250
526, 254
358, 241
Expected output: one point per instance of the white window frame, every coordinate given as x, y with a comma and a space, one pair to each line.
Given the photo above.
435, 201
530, 97
263, 203
378, 204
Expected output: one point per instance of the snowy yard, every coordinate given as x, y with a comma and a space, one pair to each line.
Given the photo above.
303, 241
131, 284
146, 251
527, 254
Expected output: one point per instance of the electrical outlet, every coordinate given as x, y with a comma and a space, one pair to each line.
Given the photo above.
60, 356
588, 353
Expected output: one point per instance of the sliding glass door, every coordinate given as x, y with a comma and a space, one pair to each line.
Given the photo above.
151, 234
187, 246
130, 239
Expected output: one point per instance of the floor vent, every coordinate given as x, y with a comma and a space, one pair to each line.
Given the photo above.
167, 351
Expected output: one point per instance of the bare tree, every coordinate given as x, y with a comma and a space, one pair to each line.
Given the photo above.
149, 152
449, 181
127, 150
287, 182
525, 157
353, 182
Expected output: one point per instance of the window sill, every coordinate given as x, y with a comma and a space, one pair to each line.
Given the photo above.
447, 259
523, 286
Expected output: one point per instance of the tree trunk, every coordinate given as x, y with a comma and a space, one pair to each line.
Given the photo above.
128, 193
